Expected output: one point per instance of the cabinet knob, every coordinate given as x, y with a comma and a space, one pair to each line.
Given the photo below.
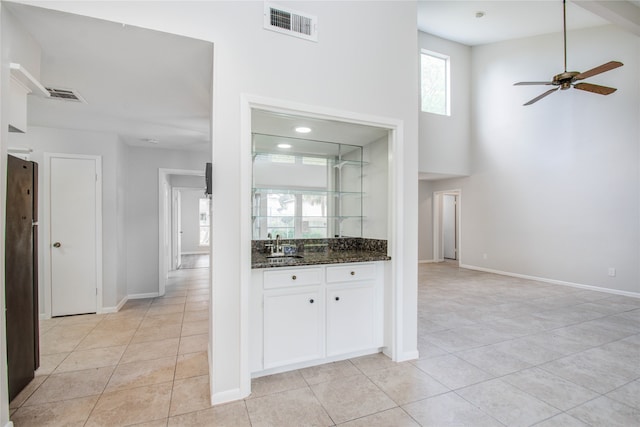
294, 277
311, 301
353, 273
337, 298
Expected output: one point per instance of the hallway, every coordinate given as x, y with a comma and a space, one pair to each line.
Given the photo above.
147, 361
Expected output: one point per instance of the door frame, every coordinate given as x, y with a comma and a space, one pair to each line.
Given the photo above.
438, 229
176, 218
45, 234
164, 222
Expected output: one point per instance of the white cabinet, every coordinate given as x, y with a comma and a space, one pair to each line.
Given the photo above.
280, 278
311, 315
22, 83
293, 326
351, 318
351, 272
354, 308
18, 106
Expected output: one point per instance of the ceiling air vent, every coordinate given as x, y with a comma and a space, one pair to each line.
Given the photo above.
288, 21
65, 95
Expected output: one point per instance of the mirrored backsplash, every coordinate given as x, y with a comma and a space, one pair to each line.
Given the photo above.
304, 189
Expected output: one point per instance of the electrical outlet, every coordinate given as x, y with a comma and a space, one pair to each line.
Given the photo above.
612, 272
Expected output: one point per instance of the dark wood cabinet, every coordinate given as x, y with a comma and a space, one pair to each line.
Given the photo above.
21, 283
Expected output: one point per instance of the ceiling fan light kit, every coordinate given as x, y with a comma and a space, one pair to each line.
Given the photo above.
567, 79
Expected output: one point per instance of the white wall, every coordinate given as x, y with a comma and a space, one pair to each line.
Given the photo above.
555, 190
141, 211
425, 221
445, 140
190, 219
370, 71
48, 140
121, 247
188, 181
375, 184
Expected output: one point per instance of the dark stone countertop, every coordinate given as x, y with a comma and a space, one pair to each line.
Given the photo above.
260, 260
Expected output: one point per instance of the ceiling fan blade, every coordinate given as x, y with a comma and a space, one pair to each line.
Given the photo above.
602, 90
538, 98
532, 83
600, 69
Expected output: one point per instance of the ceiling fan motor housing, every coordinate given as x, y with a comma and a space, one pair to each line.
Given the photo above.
565, 79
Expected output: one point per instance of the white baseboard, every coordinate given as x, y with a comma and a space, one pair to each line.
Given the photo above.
408, 355
553, 281
44, 316
141, 296
117, 307
196, 253
226, 396
426, 261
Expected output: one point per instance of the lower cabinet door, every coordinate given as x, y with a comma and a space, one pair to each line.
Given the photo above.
351, 318
293, 326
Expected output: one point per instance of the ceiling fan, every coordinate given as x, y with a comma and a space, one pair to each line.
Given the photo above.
567, 79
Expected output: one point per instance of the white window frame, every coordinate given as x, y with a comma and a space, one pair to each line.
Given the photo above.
447, 62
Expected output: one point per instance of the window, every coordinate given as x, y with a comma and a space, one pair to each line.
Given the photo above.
295, 216
434, 82
204, 222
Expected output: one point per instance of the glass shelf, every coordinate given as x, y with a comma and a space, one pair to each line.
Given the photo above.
272, 190
310, 218
308, 189
312, 159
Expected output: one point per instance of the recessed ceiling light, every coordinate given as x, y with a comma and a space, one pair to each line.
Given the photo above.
283, 145
479, 14
302, 129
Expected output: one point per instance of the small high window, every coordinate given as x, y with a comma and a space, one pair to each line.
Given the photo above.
434, 82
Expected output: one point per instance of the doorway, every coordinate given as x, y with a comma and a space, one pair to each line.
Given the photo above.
449, 226
446, 225
75, 233
190, 228
169, 215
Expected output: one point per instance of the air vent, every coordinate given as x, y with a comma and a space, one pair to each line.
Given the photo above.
65, 95
288, 21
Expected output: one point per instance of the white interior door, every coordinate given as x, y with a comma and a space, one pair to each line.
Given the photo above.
73, 235
449, 226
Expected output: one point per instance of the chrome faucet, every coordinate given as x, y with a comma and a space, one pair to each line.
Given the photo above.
269, 246
278, 246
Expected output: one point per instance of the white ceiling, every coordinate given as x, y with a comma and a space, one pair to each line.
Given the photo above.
144, 84
138, 83
505, 20
283, 125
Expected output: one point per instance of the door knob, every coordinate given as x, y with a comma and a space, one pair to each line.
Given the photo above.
57, 245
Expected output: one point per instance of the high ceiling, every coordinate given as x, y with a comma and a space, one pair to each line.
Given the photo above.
505, 20
147, 85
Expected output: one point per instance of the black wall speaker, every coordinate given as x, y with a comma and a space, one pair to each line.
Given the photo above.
207, 177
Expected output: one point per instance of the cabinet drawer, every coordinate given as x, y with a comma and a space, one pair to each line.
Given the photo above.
292, 277
351, 272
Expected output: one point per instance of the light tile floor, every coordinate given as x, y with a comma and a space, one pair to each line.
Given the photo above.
494, 351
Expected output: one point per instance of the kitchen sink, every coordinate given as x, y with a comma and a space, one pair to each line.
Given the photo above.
284, 257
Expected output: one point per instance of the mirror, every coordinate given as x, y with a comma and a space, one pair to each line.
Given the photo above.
306, 189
